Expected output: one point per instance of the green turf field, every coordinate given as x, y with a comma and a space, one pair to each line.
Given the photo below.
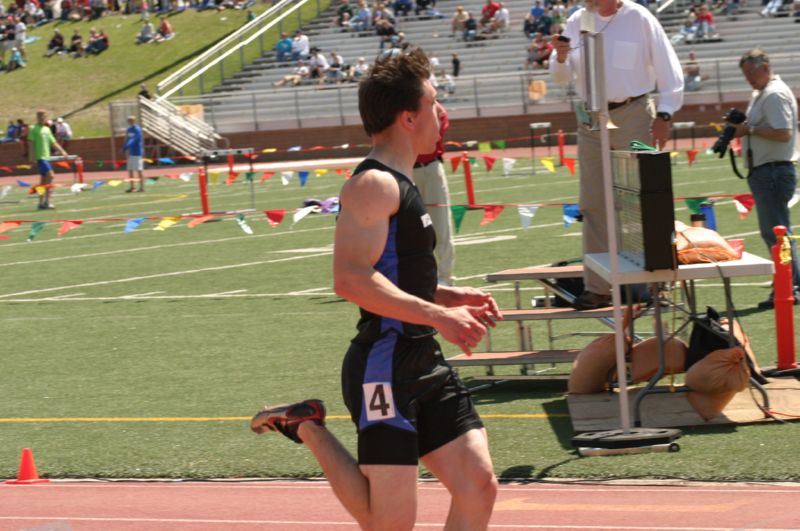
192, 330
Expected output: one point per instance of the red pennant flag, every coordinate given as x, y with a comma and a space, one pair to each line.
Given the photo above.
490, 213
570, 164
744, 204
691, 155
347, 174
454, 162
173, 176
316, 148
231, 177
251, 156
5, 169
119, 163
8, 225
4, 236
339, 171
266, 176
197, 221
275, 216
489, 162
68, 226
64, 164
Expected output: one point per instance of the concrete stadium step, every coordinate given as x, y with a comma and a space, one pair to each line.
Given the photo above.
553, 313
532, 357
536, 273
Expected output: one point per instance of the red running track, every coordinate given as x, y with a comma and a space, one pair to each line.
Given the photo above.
284, 505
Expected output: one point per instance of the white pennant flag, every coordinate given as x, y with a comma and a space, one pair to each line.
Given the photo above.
6, 190
526, 214
286, 176
243, 224
303, 212
77, 187
185, 177
795, 198
508, 165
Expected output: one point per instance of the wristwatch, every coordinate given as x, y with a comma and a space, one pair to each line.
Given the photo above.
664, 116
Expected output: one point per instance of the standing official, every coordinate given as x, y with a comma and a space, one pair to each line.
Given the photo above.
431, 181
770, 145
42, 139
639, 59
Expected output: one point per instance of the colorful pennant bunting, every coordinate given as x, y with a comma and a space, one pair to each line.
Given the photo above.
275, 216
570, 164
36, 228
133, 224
571, 213
458, 212
548, 163
490, 213
744, 204
489, 161
526, 214
240, 219
167, 222
8, 225
197, 221
68, 226
302, 177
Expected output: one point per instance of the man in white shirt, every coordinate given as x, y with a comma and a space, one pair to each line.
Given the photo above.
300, 46
318, 65
638, 60
502, 19
770, 144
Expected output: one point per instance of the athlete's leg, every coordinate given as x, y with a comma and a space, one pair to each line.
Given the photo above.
464, 467
378, 496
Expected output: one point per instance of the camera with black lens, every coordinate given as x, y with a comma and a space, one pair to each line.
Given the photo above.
734, 117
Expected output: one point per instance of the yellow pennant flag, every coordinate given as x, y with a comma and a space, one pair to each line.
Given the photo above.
548, 163
40, 189
320, 172
268, 150
149, 161
213, 176
114, 182
167, 222
24, 166
674, 154
716, 126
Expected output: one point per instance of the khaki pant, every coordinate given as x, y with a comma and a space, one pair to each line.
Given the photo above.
633, 122
432, 184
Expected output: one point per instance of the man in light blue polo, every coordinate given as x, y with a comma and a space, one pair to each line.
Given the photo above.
134, 147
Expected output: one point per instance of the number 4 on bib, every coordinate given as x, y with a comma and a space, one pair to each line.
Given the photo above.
379, 400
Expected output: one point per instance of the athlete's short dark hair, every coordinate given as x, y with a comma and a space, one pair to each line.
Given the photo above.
392, 85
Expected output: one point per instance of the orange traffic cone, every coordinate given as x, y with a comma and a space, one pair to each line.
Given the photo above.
27, 470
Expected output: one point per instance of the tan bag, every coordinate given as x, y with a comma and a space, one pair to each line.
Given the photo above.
644, 358
699, 245
590, 369
709, 406
721, 371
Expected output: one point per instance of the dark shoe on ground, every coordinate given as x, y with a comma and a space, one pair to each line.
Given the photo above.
129, 190
769, 303
591, 301
286, 418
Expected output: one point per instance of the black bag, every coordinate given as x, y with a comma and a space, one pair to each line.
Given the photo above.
708, 335
639, 292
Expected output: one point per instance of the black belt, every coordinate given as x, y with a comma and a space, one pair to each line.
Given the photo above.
778, 164
423, 164
617, 104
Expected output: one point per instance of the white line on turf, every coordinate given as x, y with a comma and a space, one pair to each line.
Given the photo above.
162, 275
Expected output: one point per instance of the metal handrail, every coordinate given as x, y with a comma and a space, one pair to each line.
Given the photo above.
225, 48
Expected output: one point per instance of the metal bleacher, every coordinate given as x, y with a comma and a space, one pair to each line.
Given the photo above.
493, 81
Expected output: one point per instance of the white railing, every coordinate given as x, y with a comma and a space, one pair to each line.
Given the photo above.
235, 42
184, 133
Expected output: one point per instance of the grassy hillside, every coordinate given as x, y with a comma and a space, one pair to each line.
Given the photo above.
81, 88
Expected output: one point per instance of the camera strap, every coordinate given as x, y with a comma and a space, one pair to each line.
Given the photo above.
733, 161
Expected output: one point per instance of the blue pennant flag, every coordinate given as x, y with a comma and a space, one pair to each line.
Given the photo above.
133, 224
303, 176
97, 184
295, 148
23, 184
571, 213
166, 160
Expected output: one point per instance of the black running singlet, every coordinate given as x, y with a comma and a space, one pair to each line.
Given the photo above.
407, 259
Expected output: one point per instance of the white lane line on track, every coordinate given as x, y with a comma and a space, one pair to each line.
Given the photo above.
139, 295
162, 275
311, 524
174, 297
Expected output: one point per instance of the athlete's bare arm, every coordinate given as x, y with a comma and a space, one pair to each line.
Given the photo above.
368, 201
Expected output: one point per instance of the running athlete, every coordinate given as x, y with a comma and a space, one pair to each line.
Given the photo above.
406, 401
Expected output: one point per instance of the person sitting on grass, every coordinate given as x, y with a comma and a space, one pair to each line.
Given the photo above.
146, 34
15, 61
56, 44
165, 31
98, 42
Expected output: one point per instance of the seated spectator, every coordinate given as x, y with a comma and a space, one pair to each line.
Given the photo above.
539, 51
20, 34
487, 13
146, 34
796, 9
165, 31
705, 24
730, 8
15, 61
299, 73
66, 8
381, 11
362, 19
402, 7
337, 70
76, 44
359, 70
98, 42
344, 12
501, 20
11, 133
98, 8
446, 85
456, 65
470, 28
425, 8
529, 26
544, 23
33, 14
283, 49
686, 33
301, 47
692, 79
56, 44
537, 10
459, 19
771, 8
385, 30
317, 65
